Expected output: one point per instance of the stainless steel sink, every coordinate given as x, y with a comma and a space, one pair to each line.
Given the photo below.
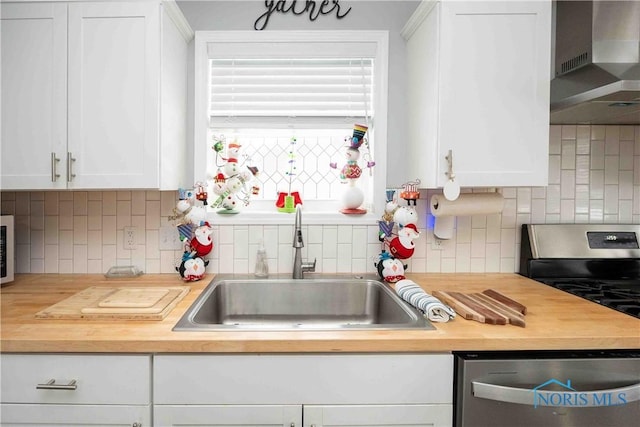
231, 303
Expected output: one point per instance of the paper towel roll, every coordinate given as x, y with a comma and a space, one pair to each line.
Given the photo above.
467, 204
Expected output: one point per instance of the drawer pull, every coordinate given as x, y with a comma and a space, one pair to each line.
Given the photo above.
51, 385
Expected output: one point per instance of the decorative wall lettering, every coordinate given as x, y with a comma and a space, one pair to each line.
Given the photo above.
311, 7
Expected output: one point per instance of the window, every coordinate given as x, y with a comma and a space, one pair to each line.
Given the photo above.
290, 99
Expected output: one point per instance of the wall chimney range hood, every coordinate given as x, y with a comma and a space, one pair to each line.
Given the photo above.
597, 63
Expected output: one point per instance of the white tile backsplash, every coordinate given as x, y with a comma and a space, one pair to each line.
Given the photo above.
597, 154
594, 177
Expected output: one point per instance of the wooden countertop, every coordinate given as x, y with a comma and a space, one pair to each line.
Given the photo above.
555, 320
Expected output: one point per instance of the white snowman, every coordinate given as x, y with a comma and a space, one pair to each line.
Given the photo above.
190, 213
229, 202
405, 215
231, 167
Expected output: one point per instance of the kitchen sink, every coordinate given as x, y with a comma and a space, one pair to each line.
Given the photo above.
320, 303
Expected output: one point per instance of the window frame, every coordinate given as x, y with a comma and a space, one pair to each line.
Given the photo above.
201, 117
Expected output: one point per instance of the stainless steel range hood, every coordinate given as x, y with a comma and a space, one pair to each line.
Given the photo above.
597, 63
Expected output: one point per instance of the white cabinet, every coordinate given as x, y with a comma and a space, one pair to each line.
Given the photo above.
34, 95
377, 415
320, 390
478, 85
94, 96
51, 389
226, 415
303, 415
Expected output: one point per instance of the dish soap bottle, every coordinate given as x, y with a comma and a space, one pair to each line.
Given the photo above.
262, 264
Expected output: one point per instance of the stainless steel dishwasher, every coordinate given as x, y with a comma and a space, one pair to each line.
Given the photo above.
536, 389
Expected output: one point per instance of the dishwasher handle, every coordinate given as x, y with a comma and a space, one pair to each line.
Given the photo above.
565, 398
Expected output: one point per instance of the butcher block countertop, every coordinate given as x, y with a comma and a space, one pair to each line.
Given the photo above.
554, 320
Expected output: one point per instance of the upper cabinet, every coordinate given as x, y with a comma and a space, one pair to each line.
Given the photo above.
478, 87
94, 96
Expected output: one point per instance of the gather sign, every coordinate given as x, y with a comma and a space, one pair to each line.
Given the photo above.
312, 8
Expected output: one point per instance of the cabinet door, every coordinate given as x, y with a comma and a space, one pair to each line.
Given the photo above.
494, 92
114, 89
77, 415
235, 415
34, 95
378, 415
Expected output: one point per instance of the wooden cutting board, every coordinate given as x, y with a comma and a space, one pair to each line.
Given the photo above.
134, 297
99, 302
487, 307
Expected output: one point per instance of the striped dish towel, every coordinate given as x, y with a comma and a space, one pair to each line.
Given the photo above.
434, 309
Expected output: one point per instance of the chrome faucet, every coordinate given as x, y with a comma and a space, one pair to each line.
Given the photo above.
300, 267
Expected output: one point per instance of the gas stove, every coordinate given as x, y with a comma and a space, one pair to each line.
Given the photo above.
600, 263
619, 295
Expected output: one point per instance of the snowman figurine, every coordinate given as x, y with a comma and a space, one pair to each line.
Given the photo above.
231, 182
353, 196
231, 167
405, 215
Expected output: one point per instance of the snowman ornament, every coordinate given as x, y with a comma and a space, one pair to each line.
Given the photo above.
405, 215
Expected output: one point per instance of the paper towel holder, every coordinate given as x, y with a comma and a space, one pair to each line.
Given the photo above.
451, 189
446, 211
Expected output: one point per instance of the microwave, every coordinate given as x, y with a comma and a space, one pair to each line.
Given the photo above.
7, 249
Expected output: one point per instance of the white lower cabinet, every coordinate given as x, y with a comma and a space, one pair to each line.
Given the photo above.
83, 390
302, 415
226, 390
303, 390
377, 415
227, 415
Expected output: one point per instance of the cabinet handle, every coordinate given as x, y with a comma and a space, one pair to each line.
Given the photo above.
70, 160
136, 425
449, 173
451, 188
54, 167
51, 385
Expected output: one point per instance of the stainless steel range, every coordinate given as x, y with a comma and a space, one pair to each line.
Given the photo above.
598, 262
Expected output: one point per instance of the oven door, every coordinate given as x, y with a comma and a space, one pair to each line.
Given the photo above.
533, 392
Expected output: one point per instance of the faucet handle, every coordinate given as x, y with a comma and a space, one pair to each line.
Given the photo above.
309, 266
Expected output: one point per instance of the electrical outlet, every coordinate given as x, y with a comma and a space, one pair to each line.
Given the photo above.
129, 238
169, 239
437, 244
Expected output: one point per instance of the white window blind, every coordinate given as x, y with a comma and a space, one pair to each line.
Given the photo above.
255, 89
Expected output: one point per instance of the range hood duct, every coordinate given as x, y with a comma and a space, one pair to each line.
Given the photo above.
597, 63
